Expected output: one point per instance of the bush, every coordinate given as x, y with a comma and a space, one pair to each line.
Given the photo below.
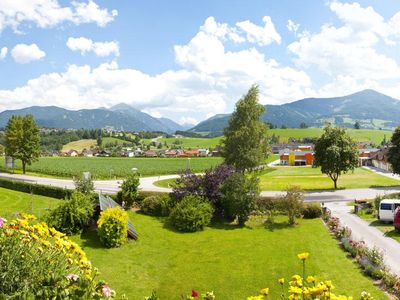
191, 214
73, 215
129, 191
84, 184
113, 227
37, 189
38, 262
239, 196
268, 207
292, 204
311, 211
156, 205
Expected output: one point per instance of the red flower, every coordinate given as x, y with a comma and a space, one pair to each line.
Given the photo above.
195, 294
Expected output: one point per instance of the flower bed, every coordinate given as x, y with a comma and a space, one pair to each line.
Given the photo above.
39, 262
369, 259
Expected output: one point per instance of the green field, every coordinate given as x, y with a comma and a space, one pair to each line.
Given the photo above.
360, 135
231, 261
308, 178
79, 145
109, 167
12, 202
191, 142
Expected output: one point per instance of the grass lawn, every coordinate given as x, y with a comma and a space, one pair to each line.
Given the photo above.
233, 262
108, 167
308, 178
190, 142
386, 228
12, 202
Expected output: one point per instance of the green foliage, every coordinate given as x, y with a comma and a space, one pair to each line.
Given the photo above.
37, 262
130, 190
239, 196
113, 227
73, 215
394, 151
84, 184
156, 205
335, 152
311, 211
292, 204
191, 214
357, 125
245, 144
36, 189
22, 139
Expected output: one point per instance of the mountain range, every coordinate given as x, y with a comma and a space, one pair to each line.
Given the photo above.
370, 108
120, 117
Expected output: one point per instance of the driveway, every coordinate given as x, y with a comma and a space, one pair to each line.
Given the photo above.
373, 237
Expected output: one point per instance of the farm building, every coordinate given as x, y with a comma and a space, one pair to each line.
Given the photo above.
296, 157
379, 160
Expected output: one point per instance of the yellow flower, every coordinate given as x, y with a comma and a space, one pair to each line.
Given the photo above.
303, 256
329, 284
311, 279
281, 281
295, 290
264, 292
260, 297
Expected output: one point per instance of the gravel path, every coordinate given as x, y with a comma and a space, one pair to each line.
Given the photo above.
373, 237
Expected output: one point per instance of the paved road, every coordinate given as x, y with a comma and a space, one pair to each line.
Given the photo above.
369, 234
147, 184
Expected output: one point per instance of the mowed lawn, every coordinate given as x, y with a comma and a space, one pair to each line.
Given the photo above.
13, 202
233, 262
110, 167
308, 178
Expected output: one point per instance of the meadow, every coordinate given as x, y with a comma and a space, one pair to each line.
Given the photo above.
90, 143
308, 178
360, 135
234, 262
111, 167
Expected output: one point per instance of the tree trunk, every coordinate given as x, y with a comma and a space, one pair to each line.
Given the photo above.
23, 167
335, 183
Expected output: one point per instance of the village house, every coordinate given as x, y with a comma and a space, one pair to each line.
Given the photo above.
71, 153
151, 153
296, 157
364, 156
379, 160
203, 152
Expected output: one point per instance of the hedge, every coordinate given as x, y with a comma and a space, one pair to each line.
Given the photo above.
36, 189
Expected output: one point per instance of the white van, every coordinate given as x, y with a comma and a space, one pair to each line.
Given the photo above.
387, 208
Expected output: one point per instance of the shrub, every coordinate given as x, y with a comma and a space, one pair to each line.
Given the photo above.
311, 211
156, 205
37, 189
239, 196
191, 214
84, 184
38, 262
267, 206
130, 191
113, 227
73, 215
292, 203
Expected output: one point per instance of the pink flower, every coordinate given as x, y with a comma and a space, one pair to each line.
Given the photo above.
2, 221
107, 292
195, 294
72, 277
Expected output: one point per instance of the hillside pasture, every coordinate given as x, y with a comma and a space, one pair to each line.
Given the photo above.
111, 167
79, 145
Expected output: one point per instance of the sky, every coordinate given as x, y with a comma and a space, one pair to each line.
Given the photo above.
189, 60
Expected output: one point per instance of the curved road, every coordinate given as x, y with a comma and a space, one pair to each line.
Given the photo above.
147, 184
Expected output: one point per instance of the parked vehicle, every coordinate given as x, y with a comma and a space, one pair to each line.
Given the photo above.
387, 208
396, 221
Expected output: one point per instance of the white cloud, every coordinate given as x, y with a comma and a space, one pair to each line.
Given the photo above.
3, 53
262, 36
48, 13
188, 121
354, 55
24, 54
85, 45
292, 27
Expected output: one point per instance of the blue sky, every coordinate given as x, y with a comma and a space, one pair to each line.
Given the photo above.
189, 60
